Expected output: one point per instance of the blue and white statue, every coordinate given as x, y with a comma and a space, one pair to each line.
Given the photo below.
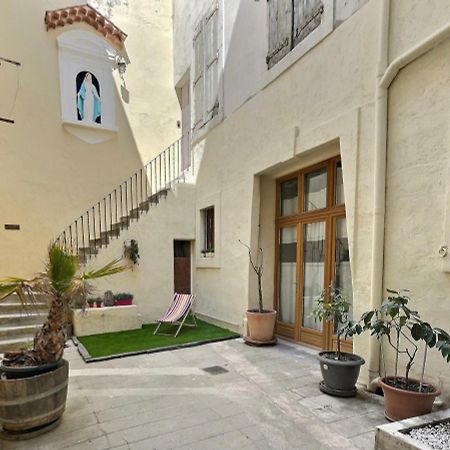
88, 100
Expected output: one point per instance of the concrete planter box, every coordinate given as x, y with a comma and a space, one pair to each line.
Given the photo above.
392, 436
106, 320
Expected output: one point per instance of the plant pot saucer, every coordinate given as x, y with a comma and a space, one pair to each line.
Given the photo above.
337, 392
256, 343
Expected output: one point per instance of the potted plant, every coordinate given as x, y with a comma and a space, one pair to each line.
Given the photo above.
36, 384
402, 327
123, 299
261, 322
208, 253
90, 302
131, 250
340, 370
98, 302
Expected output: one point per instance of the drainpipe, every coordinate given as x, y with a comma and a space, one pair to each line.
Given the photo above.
384, 80
381, 97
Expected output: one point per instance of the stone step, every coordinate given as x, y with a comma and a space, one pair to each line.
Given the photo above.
144, 206
134, 214
154, 199
88, 251
16, 344
18, 319
113, 233
16, 307
14, 332
13, 298
102, 241
125, 222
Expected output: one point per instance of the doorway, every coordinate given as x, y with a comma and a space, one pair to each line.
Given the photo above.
182, 266
312, 250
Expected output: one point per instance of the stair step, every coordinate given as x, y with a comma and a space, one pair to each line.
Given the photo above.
99, 242
134, 213
82, 259
144, 206
87, 250
8, 345
16, 307
110, 234
22, 319
154, 199
14, 299
18, 331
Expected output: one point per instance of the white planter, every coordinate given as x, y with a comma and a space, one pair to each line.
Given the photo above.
394, 435
106, 320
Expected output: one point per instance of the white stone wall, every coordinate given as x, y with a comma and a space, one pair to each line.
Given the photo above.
325, 97
152, 280
50, 177
416, 193
320, 106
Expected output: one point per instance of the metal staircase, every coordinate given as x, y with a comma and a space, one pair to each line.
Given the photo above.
116, 211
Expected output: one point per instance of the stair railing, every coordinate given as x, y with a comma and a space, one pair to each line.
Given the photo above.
115, 211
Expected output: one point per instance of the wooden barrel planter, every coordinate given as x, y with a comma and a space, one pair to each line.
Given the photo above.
30, 406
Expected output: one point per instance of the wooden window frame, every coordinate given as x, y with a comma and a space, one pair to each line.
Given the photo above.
208, 219
330, 214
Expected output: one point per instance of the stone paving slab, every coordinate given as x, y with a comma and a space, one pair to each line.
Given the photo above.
267, 399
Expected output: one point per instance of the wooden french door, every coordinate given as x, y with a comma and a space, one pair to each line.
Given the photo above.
312, 250
182, 266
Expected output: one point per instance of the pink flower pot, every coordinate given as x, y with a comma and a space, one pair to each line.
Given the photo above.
124, 302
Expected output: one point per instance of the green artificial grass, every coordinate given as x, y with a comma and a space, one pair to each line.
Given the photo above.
109, 344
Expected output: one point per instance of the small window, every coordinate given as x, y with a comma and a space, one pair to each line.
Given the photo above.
207, 216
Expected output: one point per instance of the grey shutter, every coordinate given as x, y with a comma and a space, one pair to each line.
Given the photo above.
307, 17
211, 39
280, 30
199, 77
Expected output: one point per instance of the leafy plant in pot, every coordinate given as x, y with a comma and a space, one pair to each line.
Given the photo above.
402, 327
123, 299
340, 370
37, 377
261, 322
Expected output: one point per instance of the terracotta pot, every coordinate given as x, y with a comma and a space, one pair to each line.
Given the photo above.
261, 326
401, 404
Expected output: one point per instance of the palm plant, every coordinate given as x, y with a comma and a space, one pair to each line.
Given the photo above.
62, 282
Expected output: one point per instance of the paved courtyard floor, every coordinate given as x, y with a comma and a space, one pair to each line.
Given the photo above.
267, 399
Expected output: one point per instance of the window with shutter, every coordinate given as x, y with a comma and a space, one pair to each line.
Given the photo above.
290, 21
280, 30
211, 65
206, 68
199, 78
307, 17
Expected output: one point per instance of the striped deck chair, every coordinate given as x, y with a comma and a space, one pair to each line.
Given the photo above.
177, 313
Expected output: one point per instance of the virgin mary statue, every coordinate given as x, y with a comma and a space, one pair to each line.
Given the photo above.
88, 100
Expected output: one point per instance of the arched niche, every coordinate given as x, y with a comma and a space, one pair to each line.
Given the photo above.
87, 87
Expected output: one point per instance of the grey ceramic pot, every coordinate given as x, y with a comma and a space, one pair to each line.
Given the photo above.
339, 376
